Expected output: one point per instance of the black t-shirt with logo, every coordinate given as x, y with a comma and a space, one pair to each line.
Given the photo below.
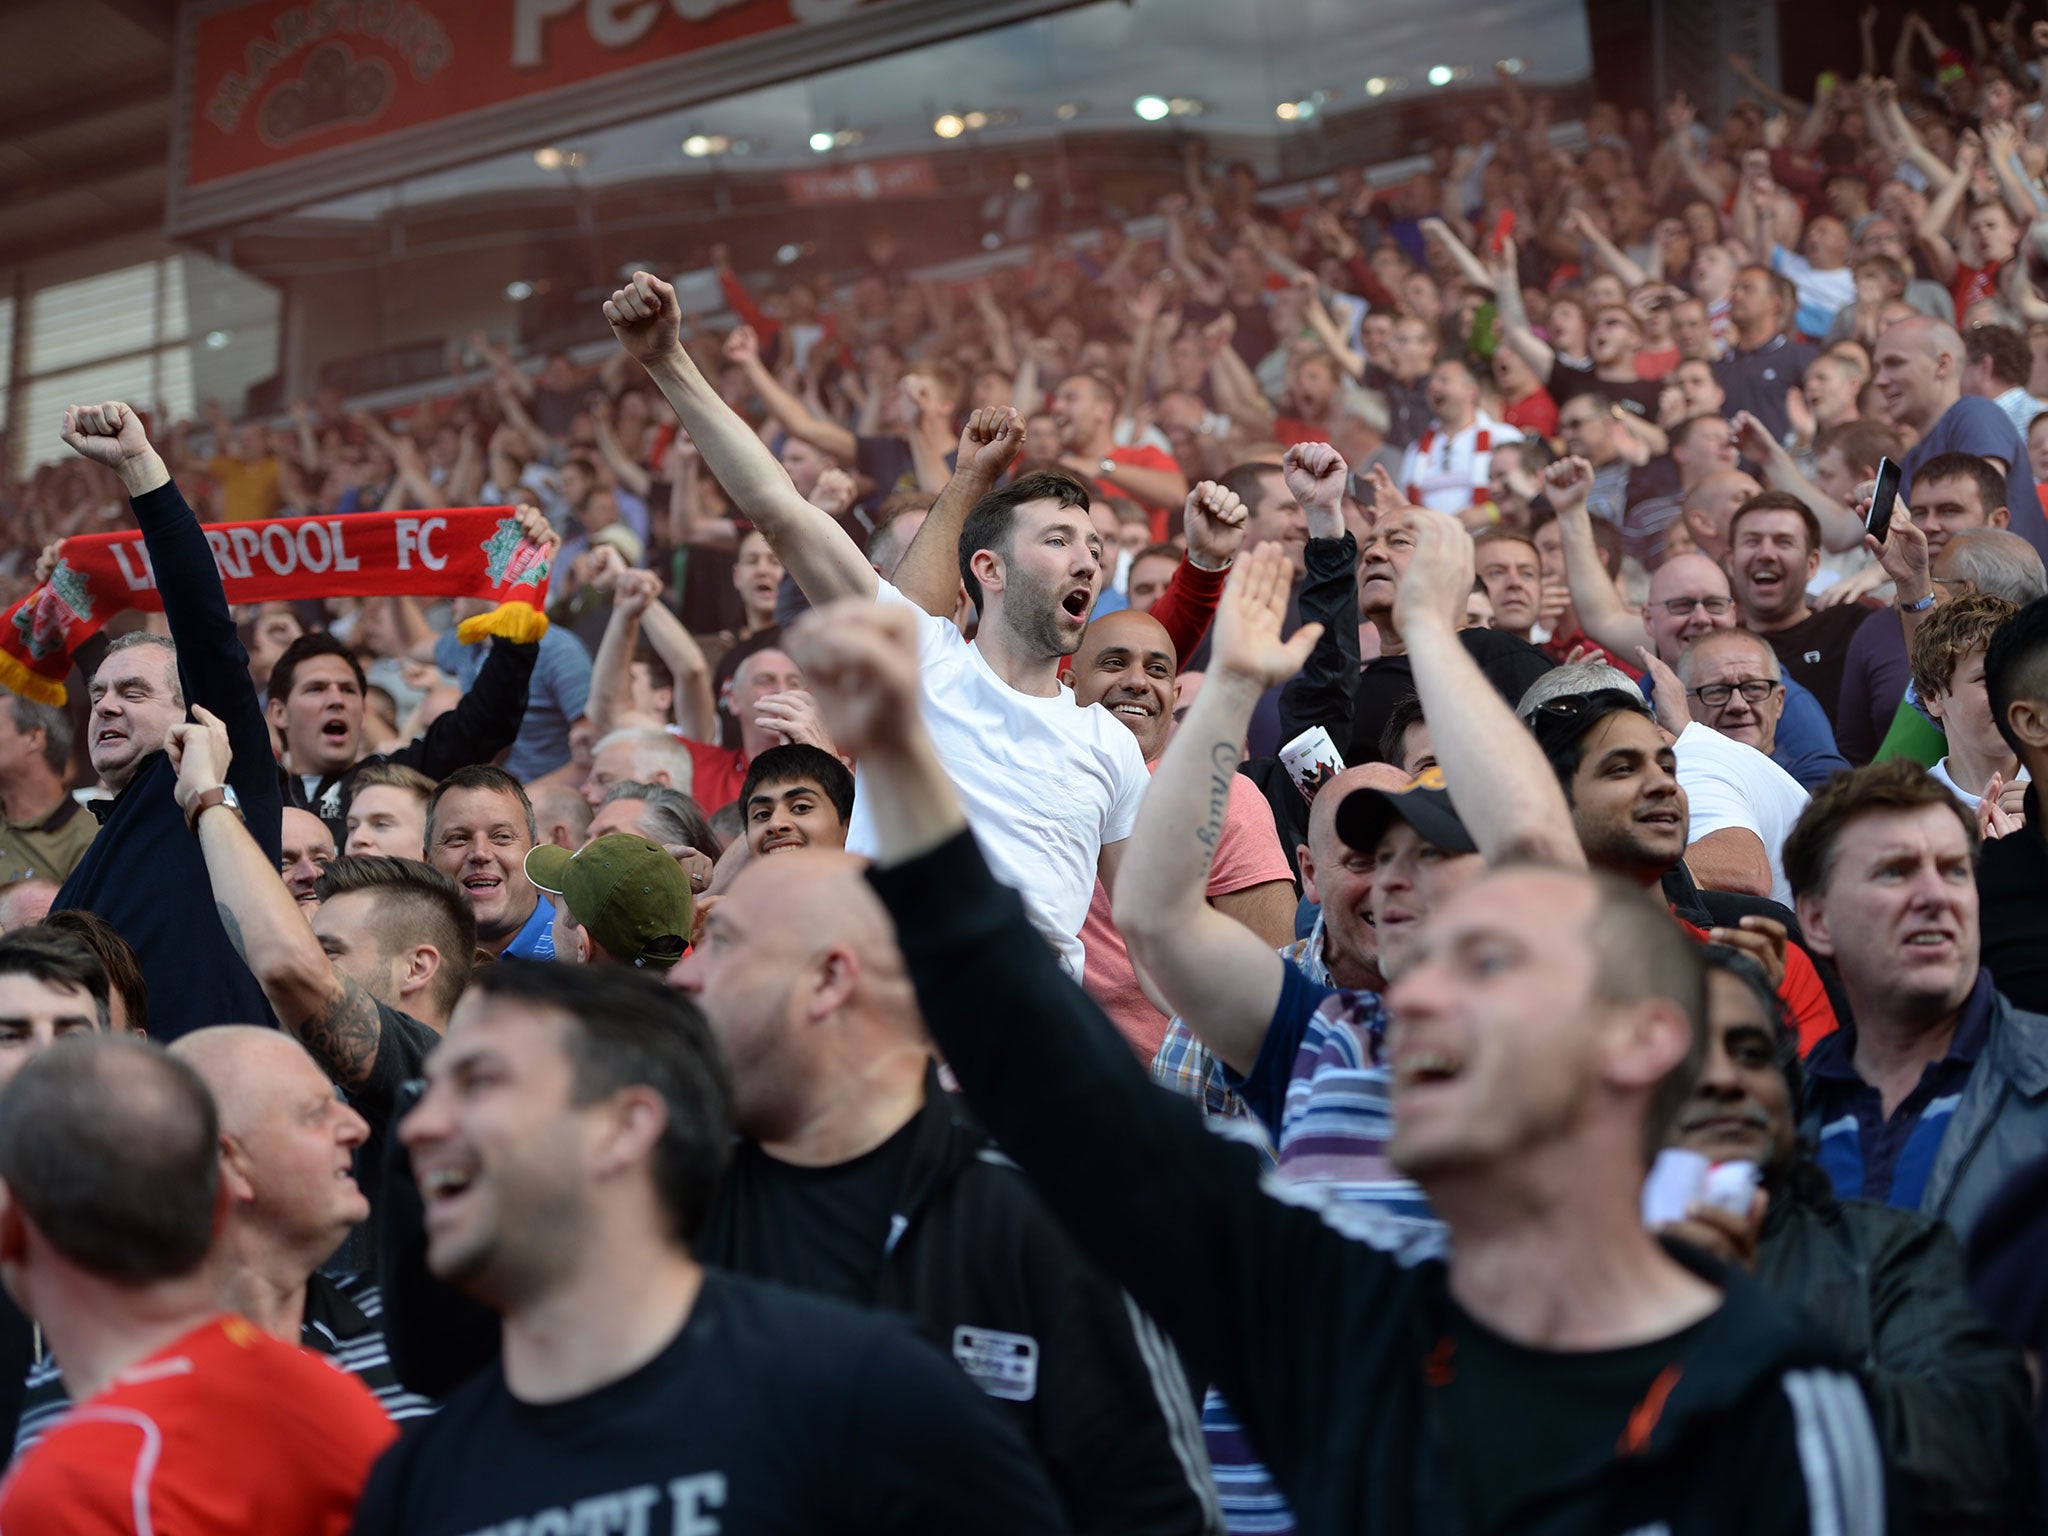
768, 1413
1815, 651
1636, 396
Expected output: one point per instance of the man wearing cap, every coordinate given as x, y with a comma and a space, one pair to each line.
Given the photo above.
619, 900
1307, 1061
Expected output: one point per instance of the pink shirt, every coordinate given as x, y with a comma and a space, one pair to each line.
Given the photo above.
1247, 854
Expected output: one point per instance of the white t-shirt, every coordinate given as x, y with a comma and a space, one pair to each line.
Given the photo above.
1045, 783
1970, 797
1728, 784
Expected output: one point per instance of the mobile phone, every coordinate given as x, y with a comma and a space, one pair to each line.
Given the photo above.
1882, 500
1503, 227
1360, 489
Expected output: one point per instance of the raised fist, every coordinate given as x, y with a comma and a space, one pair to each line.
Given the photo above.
646, 319
742, 346
1315, 476
1216, 522
834, 492
991, 439
109, 434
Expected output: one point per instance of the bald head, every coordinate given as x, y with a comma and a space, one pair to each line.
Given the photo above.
243, 1066
1685, 593
823, 899
1919, 362
1709, 505
1126, 663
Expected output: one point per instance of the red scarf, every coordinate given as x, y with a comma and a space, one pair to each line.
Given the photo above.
467, 552
1482, 447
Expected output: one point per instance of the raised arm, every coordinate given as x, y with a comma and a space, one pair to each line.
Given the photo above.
1840, 528
742, 346
1602, 614
1219, 976
329, 1014
815, 549
1514, 319
1502, 785
1322, 692
1605, 251
213, 666
632, 476
929, 574
1932, 230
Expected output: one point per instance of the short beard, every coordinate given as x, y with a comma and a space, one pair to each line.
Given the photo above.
1032, 614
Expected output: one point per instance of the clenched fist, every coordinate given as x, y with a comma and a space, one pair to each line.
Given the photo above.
645, 317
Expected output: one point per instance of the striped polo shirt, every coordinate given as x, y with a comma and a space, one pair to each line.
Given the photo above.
344, 1321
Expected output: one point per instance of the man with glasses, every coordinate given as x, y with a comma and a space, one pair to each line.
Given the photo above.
1689, 597
1734, 696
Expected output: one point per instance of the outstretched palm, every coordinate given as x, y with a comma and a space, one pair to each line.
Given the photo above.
1248, 621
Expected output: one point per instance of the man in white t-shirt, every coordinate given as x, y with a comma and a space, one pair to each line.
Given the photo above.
1051, 789
1449, 467
1734, 692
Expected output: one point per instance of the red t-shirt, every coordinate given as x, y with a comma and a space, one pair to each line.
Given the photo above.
1292, 429
1801, 991
717, 774
1655, 364
228, 1432
1969, 284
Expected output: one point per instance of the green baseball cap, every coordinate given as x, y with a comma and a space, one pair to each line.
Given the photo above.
624, 891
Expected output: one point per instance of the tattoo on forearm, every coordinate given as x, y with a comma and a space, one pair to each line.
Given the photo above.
1223, 760
233, 929
343, 1035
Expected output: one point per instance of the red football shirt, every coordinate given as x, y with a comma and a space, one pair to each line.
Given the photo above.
717, 774
228, 1431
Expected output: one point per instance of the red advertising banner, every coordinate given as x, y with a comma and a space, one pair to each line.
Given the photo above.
285, 102
910, 176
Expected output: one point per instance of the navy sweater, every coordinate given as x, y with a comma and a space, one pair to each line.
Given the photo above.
144, 873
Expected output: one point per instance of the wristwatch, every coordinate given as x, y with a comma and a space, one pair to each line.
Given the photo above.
1106, 467
1921, 606
207, 799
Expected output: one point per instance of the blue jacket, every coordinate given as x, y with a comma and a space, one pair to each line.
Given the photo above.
144, 873
2000, 1124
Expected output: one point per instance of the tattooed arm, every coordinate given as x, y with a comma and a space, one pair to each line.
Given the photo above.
328, 1013
1220, 976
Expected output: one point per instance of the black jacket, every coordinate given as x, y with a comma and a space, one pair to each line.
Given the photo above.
144, 873
971, 1251
483, 724
1952, 1401
1323, 1340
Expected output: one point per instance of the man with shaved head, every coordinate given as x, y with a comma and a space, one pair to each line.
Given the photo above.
1920, 364
1126, 663
858, 1176
1710, 505
286, 1144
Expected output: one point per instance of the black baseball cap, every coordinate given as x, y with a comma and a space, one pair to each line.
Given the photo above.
1365, 814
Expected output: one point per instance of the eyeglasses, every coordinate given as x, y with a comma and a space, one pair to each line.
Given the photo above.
1682, 607
1754, 690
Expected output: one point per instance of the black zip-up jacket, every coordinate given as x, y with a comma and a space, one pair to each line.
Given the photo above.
1323, 1342
483, 724
144, 873
976, 1259
1951, 1399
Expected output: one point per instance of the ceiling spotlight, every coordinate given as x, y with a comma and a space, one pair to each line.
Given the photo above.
821, 141
697, 145
1376, 86
1151, 108
1439, 74
1021, 181
976, 120
1067, 111
1187, 106
1287, 111
548, 158
219, 339
991, 241
1511, 66
786, 254
949, 126
846, 137
517, 291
